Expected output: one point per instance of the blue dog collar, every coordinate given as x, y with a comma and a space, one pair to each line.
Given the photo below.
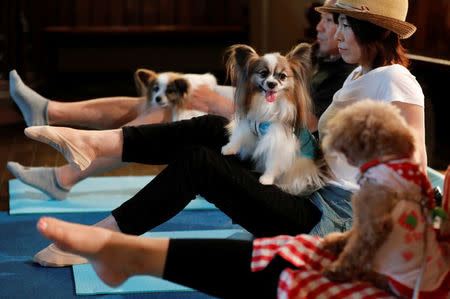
308, 143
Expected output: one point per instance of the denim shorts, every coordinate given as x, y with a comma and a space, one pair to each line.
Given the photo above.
336, 207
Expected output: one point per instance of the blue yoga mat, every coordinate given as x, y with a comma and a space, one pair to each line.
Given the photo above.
88, 283
95, 194
19, 241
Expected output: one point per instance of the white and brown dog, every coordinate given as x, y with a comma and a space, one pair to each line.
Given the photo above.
272, 103
170, 89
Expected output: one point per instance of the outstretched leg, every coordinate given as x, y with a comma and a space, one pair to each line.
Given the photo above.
219, 267
150, 144
101, 113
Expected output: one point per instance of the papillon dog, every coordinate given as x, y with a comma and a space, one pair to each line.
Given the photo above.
271, 107
171, 89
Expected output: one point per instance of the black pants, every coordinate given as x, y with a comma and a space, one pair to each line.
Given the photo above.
221, 268
191, 149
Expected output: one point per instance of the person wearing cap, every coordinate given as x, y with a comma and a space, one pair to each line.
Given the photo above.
368, 34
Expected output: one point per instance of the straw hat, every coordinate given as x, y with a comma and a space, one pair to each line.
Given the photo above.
389, 14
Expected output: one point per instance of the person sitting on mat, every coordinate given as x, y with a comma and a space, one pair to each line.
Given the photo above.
329, 73
191, 149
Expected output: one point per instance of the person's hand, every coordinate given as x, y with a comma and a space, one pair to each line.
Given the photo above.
203, 98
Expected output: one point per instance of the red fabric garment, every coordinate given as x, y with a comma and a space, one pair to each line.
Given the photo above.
307, 254
410, 172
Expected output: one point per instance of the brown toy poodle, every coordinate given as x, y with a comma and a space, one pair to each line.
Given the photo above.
392, 223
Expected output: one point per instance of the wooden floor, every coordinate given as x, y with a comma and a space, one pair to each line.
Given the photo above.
15, 146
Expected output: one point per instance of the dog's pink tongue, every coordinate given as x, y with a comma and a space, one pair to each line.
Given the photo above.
271, 96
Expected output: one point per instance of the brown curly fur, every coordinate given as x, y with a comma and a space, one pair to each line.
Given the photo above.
362, 132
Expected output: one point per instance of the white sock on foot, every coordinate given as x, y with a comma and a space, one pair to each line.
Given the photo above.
32, 105
42, 178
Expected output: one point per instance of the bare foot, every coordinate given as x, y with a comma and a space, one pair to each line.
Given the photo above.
73, 144
114, 256
53, 256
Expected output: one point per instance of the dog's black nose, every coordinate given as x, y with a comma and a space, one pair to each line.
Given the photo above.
271, 85
158, 99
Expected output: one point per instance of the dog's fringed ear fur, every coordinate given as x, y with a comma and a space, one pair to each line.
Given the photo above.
300, 56
238, 59
299, 59
182, 85
143, 78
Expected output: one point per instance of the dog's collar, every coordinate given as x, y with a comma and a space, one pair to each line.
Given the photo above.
409, 171
308, 143
258, 128
381, 160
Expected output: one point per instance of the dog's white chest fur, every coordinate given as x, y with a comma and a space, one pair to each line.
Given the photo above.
275, 154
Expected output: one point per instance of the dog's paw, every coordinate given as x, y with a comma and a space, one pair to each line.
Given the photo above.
335, 272
266, 179
335, 242
229, 149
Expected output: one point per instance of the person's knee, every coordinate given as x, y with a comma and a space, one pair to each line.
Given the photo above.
198, 157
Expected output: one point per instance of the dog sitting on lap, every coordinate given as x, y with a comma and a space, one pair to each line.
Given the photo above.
170, 89
393, 238
271, 107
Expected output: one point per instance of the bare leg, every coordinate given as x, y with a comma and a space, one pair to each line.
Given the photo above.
80, 147
114, 256
106, 113
101, 113
68, 176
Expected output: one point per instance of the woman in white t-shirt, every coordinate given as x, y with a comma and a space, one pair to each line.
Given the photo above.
381, 76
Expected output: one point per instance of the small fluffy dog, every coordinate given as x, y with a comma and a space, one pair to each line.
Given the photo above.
170, 89
271, 104
392, 223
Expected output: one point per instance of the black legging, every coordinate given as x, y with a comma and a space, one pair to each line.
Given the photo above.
221, 268
191, 149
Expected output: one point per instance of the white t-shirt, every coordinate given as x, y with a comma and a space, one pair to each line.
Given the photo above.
393, 83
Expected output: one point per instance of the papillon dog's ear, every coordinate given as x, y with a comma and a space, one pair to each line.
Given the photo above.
238, 60
143, 78
300, 55
182, 85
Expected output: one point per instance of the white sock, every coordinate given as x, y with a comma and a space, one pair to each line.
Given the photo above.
42, 178
32, 105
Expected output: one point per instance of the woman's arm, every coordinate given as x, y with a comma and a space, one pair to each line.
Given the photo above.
414, 116
218, 102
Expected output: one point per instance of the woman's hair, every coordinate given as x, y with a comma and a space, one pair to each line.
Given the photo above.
379, 46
